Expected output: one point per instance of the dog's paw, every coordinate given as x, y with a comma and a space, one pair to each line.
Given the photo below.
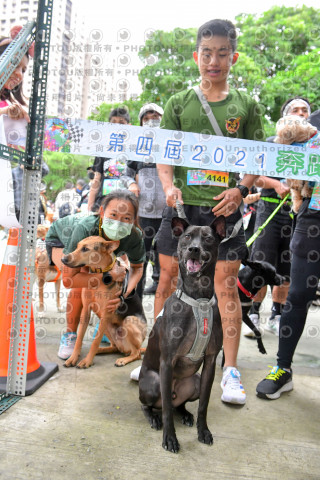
71, 362
156, 422
205, 436
170, 443
120, 362
84, 363
61, 309
187, 419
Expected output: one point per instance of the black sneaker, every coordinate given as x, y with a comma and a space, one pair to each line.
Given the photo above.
275, 383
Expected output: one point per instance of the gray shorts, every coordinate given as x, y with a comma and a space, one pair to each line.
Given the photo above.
233, 249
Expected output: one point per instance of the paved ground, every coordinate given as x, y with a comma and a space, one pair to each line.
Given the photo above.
88, 424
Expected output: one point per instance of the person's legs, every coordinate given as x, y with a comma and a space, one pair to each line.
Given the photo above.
225, 282
167, 283
304, 281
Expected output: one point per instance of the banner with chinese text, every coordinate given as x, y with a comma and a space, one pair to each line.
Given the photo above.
177, 148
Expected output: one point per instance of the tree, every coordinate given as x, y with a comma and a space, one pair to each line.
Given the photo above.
64, 167
170, 67
279, 58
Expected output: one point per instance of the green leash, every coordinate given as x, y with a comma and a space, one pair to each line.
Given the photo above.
257, 233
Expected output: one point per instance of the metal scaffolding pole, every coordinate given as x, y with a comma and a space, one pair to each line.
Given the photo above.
31, 159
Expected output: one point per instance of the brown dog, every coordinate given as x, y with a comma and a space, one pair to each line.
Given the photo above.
44, 271
126, 328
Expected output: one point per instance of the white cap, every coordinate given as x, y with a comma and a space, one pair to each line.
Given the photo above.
150, 107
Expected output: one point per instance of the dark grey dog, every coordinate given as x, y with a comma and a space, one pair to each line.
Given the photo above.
187, 334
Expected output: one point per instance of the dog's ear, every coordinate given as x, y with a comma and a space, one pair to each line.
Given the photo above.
110, 246
251, 264
219, 226
178, 226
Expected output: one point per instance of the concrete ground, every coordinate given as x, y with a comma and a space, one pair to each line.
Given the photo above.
87, 424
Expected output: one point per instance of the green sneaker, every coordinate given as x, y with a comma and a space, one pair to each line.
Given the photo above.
275, 383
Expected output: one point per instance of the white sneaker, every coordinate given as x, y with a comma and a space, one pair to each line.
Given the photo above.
233, 391
247, 332
134, 375
67, 343
273, 325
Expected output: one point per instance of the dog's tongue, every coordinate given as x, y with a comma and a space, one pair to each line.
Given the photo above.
193, 265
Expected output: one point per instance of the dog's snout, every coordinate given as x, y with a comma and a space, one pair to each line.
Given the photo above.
194, 249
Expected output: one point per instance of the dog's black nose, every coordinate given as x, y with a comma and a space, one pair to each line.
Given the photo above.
193, 249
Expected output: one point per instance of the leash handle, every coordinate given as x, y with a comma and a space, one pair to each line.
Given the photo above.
257, 233
180, 209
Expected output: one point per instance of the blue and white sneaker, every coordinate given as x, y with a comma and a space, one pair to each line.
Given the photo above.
67, 343
105, 339
232, 388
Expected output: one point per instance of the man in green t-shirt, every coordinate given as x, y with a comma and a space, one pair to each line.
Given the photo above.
207, 195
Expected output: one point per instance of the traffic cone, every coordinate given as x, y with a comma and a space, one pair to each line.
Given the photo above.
37, 373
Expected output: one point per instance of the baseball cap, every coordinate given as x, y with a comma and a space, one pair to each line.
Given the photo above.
149, 107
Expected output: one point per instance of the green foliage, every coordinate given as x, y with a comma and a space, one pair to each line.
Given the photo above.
170, 67
64, 167
283, 45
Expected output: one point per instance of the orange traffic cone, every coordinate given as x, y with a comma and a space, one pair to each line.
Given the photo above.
37, 373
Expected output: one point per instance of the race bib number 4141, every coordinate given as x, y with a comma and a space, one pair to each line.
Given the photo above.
207, 177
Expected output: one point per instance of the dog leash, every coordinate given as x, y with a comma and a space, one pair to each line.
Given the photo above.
257, 233
180, 210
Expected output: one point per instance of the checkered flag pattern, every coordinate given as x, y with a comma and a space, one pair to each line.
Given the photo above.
76, 133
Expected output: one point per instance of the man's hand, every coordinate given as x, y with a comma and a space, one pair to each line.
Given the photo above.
282, 189
172, 194
230, 201
134, 188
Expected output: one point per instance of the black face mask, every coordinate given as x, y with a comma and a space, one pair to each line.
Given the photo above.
91, 175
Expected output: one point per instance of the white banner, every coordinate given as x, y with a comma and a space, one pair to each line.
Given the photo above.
177, 148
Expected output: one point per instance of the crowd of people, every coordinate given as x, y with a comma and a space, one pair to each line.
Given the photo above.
134, 202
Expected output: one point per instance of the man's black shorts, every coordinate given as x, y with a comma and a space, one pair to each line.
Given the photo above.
233, 249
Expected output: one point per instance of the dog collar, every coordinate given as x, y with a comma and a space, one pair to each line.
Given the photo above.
109, 267
244, 290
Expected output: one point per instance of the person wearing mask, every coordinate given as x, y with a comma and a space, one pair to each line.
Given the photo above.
142, 179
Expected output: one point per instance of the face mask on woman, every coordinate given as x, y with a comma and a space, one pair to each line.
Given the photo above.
152, 122
116, 230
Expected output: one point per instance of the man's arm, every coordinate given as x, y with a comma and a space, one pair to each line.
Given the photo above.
95, 187
172, 193
266, 182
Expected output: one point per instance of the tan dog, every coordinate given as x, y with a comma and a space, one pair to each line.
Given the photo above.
126, 331
289, 129
44, 271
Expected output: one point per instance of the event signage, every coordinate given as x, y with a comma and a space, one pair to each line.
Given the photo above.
177, 148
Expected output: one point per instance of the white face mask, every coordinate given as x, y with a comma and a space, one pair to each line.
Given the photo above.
152, 123
116, 230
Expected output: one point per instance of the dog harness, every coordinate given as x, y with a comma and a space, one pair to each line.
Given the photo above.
203, 313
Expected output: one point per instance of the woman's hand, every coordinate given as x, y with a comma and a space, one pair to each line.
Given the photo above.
114, 304
15, 112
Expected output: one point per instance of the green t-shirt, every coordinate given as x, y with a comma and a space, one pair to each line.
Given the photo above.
72, 229
238, 116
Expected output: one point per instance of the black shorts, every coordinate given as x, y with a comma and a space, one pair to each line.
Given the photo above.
273, 243
233, 249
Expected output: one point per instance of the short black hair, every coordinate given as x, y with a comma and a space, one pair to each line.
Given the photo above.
223, 28
297, 97
120, 112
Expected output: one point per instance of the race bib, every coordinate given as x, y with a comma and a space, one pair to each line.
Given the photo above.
207, 177
315, 198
